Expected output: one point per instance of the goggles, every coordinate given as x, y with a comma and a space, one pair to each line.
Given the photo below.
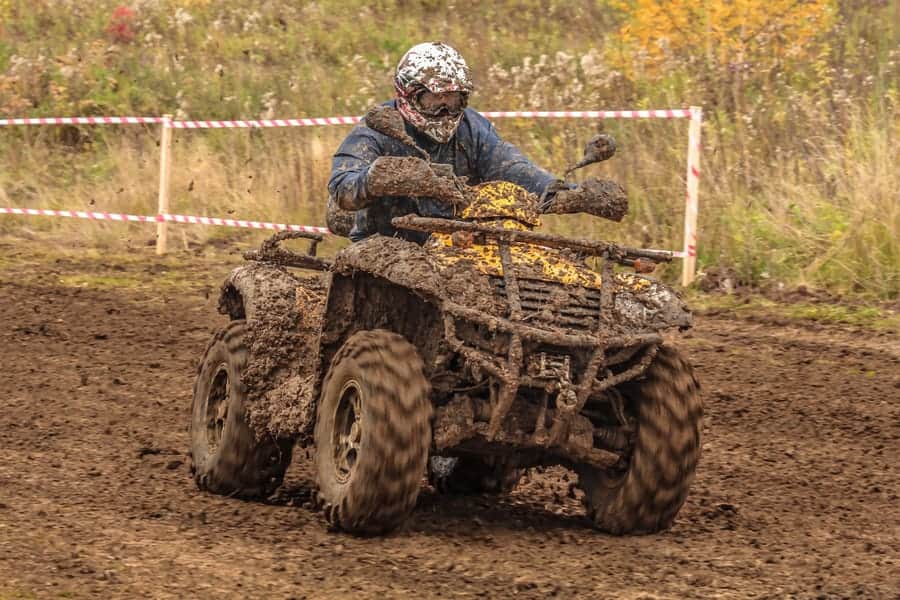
443, 104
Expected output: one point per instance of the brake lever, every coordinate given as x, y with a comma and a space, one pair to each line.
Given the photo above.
445, 171
549, 196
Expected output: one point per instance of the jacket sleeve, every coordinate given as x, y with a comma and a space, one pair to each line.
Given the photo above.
500, 160
349, 166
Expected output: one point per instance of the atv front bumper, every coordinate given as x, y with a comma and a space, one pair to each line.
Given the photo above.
566, 393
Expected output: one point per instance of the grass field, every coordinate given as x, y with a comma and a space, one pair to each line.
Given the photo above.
799, 184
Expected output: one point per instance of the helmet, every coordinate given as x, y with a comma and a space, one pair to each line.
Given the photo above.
437, 68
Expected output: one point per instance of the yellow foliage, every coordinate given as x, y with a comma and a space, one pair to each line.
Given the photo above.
724, 32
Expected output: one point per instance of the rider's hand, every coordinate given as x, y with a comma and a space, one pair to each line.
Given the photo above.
599, 197
409, 176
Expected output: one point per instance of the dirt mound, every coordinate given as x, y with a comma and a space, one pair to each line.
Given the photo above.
797, 494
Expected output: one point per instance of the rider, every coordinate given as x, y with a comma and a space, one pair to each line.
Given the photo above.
432, 85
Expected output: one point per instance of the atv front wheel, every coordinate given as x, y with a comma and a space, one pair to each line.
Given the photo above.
372, 433
668, 412
226, 456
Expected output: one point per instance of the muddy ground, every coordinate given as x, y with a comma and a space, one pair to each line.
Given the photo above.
796, 494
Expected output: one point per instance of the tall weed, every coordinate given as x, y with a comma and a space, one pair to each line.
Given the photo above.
799, 181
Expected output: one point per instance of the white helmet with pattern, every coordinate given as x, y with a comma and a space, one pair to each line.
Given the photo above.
437, 68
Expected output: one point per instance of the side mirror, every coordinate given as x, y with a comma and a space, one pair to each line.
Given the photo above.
388, 121
599, 148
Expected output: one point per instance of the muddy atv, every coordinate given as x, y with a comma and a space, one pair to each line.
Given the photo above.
490, 349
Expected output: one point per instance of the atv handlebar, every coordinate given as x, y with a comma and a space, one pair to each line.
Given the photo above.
609, 250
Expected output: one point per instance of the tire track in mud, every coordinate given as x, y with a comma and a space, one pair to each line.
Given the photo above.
796, 493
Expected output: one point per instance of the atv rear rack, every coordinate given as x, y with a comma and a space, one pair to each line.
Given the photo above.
271, 252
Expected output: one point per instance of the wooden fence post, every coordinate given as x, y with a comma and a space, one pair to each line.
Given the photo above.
691, 205
165, 167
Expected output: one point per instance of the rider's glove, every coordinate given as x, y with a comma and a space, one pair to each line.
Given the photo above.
409, 176
339, 221
599, 197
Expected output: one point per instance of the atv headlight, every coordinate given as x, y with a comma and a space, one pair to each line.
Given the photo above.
655, 306
630, 309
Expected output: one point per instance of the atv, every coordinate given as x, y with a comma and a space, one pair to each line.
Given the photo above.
487, 350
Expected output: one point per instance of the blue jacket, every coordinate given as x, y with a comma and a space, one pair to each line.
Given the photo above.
476, 152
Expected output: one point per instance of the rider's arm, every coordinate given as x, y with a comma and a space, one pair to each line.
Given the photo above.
500, 160
349, 167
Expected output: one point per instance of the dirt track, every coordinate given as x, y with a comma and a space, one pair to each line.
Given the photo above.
796, 494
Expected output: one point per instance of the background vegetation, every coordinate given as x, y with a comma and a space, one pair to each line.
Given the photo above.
800, 180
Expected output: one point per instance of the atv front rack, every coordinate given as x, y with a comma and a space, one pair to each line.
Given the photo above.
571, 397
614, 252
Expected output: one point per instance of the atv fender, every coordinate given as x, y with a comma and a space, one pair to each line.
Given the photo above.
249, 286
413, 267
390, 283
398, 261
283, 316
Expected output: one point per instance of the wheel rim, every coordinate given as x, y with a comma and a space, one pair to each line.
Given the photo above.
347, 437
217, 407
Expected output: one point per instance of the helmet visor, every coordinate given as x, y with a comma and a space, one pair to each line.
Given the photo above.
431, 104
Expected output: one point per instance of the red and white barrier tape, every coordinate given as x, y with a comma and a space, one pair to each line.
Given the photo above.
78, 214
542, 114
693, 169
240, 223
671, 113
248, 124
82, 121
104, 216
317, 121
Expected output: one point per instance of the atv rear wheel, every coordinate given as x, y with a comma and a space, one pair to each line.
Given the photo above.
226, 456
668, 411
372, 433
474, 475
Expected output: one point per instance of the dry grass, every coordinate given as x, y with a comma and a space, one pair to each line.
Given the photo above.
799, 177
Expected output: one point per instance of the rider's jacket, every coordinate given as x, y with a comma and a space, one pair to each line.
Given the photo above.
476, 152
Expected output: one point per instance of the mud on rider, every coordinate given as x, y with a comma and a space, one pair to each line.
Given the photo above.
432, 85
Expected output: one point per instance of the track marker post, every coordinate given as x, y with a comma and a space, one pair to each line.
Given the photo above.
689, 266
165, 169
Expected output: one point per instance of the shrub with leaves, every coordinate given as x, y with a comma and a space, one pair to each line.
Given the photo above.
121, 25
